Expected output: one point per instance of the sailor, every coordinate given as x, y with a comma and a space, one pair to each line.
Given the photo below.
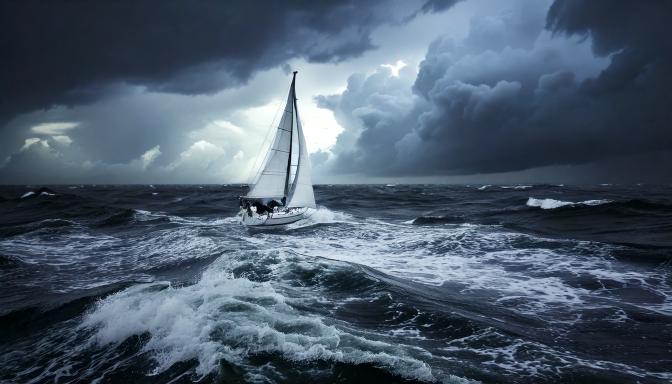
261, 208
273, 204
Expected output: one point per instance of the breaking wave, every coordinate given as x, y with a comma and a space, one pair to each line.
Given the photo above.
553, 204
232, 319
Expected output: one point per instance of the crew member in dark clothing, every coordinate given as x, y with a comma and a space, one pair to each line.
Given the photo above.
273, 204
261, 208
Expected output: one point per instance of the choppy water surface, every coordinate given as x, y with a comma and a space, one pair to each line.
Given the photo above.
382, 283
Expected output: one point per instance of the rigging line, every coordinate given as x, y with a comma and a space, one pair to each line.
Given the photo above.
255, 167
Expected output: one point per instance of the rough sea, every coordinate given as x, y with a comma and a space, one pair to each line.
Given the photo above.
396, 283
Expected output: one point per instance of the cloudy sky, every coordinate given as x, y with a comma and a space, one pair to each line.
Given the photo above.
389, 91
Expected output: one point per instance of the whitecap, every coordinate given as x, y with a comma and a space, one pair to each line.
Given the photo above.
225, 318
516, 186
552, 203
32, 193
142, 215
322, 215
513, 356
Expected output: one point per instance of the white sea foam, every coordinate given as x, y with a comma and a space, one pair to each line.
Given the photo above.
516, 187
226, 318
142, 215
552, 204
141, 212
484, 187
325, 215
200, 221
27, 194
527, 280
533, 359
547, 203
322, 215
411, 253
31, 193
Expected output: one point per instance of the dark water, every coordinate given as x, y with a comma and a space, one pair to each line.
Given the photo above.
381, 284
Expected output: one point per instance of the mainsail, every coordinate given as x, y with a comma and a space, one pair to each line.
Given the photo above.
288, 151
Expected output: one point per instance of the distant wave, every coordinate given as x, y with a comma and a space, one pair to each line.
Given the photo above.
553, 204
39, 192
488, 186
27, 194
428, 220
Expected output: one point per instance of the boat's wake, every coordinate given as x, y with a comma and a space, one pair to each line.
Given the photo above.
322, 215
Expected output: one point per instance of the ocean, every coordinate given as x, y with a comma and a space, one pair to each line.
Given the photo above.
383, 283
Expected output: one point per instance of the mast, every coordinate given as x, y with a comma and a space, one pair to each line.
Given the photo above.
299, 143
291, 133
301, 193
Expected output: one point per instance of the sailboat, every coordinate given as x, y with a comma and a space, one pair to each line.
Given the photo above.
282, 192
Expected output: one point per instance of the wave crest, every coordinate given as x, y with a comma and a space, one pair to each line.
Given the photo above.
231, 319
553, 204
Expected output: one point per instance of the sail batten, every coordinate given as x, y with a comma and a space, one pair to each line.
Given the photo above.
281, 176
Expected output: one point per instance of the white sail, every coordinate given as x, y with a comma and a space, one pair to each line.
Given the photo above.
286, 171
272, 180
302, 194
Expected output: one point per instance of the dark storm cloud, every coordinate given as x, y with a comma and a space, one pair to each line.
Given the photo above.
437, 5
72, 52
511, 96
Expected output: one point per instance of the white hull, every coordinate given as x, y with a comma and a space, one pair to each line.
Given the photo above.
278, 218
